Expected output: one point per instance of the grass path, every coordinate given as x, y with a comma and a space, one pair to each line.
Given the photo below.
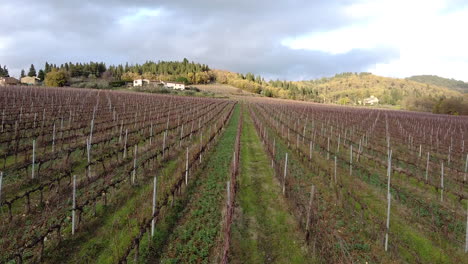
198, 230
263, 230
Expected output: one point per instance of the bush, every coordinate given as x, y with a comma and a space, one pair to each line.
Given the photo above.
182, 80
117, 83
56, 78
191, 88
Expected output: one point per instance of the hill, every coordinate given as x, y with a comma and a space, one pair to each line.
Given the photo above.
353, 88
350, 88
452, 84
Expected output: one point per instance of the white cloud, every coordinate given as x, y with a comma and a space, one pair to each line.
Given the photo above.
430, 38
138, 15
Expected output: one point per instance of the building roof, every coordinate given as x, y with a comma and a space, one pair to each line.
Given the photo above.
9, 79
30, 79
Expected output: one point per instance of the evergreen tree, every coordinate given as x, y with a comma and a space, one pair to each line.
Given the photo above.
41, 75
32, 71
22, 73
4, 71
47, 67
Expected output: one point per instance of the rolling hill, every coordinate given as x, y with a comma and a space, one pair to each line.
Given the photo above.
453, 84
353, 88
350, 88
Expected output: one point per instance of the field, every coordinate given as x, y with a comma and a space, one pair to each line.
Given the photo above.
91, 176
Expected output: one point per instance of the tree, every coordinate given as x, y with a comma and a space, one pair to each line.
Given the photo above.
182, 80
22, 73
4, 71
130, 76
56, 78
32, 71
344, 101
47, 67
41, 75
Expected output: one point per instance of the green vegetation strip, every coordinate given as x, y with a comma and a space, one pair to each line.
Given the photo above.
263, 231
198, 230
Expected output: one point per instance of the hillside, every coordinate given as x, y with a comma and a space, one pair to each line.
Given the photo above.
452, 84
351, 88
356, 87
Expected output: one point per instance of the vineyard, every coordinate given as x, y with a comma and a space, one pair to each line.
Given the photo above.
73, 158
371, 185
95, 176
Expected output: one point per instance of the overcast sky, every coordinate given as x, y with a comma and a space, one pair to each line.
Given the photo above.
294, 39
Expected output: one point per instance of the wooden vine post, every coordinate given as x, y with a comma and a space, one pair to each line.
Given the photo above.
466, 169
134, 164
309, 211
74, 205
125, 144
186, 168
33, 158
285, 173
154, 206
442, 182
88, 148
389, 197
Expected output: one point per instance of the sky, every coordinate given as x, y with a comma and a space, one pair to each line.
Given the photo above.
294, 39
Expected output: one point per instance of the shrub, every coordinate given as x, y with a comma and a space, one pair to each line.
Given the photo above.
56, 78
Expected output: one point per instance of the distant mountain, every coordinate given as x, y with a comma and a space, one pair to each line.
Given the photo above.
453, 84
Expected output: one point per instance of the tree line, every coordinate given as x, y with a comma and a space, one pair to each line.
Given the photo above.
60, 75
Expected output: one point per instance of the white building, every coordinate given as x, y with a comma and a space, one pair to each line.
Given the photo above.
140, 82
174, 85
30, 80
371, 100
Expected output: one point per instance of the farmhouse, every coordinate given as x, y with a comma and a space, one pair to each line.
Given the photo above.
371, 100
174, 85
4, 81
30, 80
140, 82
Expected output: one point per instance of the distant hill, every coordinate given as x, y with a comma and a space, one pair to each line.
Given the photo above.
355, 87
453, 84
352, 88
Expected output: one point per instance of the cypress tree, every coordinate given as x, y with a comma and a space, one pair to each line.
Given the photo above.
32, 71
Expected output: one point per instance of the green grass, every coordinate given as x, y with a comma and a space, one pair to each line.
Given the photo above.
264, 231
198, 230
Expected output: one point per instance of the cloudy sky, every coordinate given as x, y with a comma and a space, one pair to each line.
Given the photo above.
294, 39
